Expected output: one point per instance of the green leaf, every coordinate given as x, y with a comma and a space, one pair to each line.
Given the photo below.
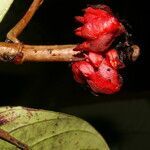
4, 7
46, 130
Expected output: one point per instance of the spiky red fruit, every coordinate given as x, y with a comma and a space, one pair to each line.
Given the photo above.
113, 57
100, 28
98, 73
99, 70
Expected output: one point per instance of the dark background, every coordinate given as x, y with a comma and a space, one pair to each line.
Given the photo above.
123, 119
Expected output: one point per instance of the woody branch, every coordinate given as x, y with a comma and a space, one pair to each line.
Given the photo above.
18, 52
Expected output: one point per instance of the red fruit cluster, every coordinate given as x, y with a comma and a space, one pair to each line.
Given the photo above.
100, 28
99, 70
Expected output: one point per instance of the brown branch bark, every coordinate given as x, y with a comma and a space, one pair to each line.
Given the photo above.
7, 137
18, 53
19, 27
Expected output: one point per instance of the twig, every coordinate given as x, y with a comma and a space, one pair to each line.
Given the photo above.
18, 53
19, 27
7, 137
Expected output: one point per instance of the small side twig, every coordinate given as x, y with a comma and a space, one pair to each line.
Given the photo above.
13, 34
18, 52
7, 137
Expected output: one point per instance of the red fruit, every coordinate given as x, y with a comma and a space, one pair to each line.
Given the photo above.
95, 59
99, 69
113, 57
82, 70
106, 80
102, 78
98, 84
100, 28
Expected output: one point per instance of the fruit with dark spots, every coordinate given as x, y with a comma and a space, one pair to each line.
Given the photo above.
102, 78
